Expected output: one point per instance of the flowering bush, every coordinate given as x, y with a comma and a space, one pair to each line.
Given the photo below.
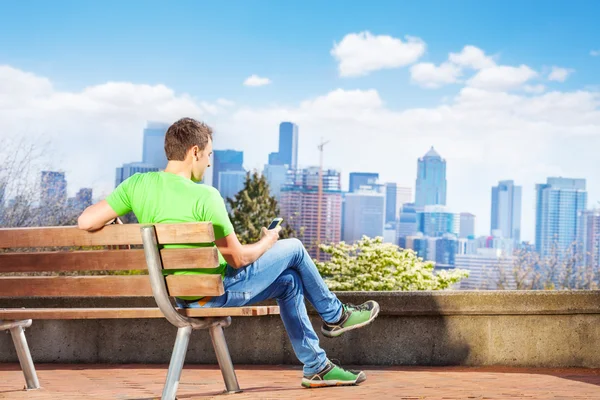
372, 265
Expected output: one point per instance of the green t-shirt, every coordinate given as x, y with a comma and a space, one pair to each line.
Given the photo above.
166, 198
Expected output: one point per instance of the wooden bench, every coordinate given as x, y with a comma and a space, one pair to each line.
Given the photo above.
23, 259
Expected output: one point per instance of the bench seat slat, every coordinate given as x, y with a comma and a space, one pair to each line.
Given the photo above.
104, 286
68, 236
106, 260
122, 313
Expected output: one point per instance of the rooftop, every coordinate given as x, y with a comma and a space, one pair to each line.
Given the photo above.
97, 381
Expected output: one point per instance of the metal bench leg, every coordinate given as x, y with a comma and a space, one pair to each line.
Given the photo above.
224, 359
176, 365
18, 337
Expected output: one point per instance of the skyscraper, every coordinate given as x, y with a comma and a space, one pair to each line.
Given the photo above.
446, 248
53, 189
130, 169
435, 221
154, 145
364, 215
288, 146
431, 180
395, 196
506, 210
589, 237
230, 183
559, 203
487, 269
358, 179
276, 176
299, 206
407, 221
467, 225
82, 200
226, 160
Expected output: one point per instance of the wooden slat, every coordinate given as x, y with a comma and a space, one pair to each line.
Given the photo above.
102, 286
67, 236
116, 313
106, 260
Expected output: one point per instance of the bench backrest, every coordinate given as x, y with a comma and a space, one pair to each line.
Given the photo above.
25, 256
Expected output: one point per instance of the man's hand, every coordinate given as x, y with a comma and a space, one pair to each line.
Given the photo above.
271, 236
238, 255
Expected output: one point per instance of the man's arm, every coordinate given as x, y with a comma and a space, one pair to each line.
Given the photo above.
240, 255
96, 216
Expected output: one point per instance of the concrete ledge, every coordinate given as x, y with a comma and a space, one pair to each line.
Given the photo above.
509, 328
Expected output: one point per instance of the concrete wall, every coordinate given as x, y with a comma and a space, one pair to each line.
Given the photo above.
535, 329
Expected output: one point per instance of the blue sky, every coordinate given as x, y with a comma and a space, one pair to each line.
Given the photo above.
503, 90
208, 48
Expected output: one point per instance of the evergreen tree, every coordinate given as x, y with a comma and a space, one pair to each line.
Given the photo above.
254, 207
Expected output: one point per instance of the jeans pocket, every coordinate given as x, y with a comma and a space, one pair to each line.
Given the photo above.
238, 299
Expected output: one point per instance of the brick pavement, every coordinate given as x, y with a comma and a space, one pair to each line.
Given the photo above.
144, 382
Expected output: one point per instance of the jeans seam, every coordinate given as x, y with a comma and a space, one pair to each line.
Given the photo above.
304, 332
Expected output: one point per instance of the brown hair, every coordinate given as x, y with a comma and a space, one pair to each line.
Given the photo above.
183, 135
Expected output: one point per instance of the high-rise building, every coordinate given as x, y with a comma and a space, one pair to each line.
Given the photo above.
505, 245
231, 182
53, 189
407, 221
395, 196
364, 215
506, 210
276, 176
488, 269
288, 146
299, 206
559, 203
418, 243
363, 179
154, 145
431, 180
446, 248
435, 221
226, 160
589, 237
467, 246
130, 169
467, 225
82, 200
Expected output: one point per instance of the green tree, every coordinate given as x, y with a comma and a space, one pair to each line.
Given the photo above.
254, 207
372, 265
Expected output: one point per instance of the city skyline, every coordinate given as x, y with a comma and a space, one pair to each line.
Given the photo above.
501, 95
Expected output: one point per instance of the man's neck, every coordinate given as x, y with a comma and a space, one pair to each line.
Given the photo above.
179, 168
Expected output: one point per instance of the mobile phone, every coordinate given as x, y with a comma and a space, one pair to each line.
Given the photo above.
275, 223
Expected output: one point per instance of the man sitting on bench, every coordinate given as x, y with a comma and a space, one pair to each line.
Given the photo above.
267, 269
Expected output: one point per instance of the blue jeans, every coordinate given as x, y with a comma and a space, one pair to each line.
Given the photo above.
286, 273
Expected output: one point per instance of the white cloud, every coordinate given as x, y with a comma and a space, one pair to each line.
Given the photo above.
537, 89
484, 135
361, 53
559, 74
256, 80
594, 53
502, 77
430, 76
471, 57
225, 102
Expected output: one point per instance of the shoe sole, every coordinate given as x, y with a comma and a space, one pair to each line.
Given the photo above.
331, 383
341, 331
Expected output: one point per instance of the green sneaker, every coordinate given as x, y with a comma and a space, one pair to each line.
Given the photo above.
353, 317
334, 375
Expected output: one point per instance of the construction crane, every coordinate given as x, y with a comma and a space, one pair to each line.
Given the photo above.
320, 197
